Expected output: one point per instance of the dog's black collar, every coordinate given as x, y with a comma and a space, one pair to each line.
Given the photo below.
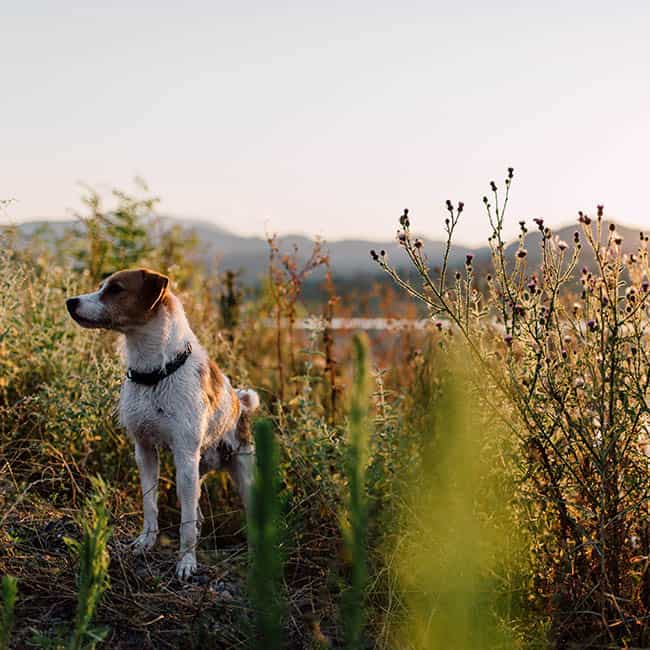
153, 377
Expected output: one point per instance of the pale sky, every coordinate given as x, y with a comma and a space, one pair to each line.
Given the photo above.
328, 119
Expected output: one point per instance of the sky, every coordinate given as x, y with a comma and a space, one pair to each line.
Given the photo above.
328, 119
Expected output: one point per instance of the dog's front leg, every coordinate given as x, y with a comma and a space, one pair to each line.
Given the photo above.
146, 457
187, 488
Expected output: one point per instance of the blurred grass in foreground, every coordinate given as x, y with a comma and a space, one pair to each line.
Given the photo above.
458, 543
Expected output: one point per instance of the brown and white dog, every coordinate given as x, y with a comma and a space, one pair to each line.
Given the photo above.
173, 395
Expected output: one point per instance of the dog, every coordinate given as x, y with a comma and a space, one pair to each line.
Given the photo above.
172, 395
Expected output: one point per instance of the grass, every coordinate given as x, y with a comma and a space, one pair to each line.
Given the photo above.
482, 483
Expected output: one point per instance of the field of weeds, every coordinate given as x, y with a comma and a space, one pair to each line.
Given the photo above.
478, 483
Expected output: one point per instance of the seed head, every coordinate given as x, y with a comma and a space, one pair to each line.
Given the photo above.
450, 207
511, 172
508, 339
645, 285
521, 253
592, 325
374, 255
583, 218
599, 211
418, 243
493, 186
576, 237
468, 259
461, 207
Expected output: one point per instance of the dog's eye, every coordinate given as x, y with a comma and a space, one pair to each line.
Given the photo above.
113, 289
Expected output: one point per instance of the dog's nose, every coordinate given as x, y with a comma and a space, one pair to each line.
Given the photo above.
72, 304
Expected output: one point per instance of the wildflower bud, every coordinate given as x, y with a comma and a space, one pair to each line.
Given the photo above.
522, 224
457, 275
468, 259
567, 339
564, 354
591, 324
576, 237
508, 340
511, 172
585, 270
382, 253
418, 243
493, 186
485, 200
532, 285
439, 325
540, 223
461, 207
450, 207
605, 300
641, 235
645, 285
612, 227
489, 278
402, 238
583, 218
547, 233
599, 211
521, 253
562, 245
374, 255
404, 219
618, 240
447, 221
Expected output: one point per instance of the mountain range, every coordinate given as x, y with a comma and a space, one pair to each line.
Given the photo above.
350, 258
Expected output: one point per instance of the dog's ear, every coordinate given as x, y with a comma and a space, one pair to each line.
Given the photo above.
153, 288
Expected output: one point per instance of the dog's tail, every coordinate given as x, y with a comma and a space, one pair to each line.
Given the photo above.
249, 399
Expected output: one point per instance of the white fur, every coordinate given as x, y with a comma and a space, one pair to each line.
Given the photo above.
90, 307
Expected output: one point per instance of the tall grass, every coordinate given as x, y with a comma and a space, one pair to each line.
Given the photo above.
264, 535
356, 530
92, 575
458, 541
8, 592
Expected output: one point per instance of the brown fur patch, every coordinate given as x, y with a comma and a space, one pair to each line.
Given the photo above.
244, 433
212, 383
131, 297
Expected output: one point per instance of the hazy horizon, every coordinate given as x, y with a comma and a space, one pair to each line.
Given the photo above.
328, 120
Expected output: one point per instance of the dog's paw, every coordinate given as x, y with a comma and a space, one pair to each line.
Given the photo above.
186, 566
144, 542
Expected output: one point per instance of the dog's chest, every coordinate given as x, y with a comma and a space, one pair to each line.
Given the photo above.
156, 415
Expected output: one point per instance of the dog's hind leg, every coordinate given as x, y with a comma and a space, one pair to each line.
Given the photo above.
242, 470
146, 457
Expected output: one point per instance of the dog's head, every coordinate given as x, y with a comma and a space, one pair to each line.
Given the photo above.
124, 301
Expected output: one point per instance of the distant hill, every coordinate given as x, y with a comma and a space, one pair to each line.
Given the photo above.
350, 257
